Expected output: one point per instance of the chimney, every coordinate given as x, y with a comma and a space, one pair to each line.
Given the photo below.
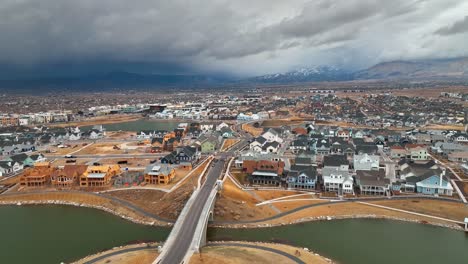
441, 177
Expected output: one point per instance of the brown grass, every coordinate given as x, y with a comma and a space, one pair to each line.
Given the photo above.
346, 210
136, 257
229, 142
288, 206
241, 255
235, 204
269, 195
454, 211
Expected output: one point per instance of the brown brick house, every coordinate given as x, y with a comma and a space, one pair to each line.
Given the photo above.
265, 172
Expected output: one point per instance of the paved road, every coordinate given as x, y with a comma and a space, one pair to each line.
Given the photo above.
176, 253
182, 242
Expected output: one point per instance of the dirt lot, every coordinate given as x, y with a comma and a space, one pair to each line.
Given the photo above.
63, 151
120, 134
255, 131
286, 206
165, 205
463, 187
454, 211
269, 195
240, 176
242, 255
234, 204
229, 142
281, 122
111, 148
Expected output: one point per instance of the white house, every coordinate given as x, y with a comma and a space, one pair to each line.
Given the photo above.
257, 144
271, 147
272, 135
366, 162
337, 180
220, 126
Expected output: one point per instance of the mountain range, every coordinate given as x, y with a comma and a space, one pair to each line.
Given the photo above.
456, 68
436, 69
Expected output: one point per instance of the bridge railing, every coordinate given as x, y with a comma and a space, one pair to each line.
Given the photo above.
199, 239
176, 228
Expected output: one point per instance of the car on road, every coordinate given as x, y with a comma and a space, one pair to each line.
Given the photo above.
70, 157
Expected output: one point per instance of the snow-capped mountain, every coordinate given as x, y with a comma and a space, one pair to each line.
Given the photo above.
320, 73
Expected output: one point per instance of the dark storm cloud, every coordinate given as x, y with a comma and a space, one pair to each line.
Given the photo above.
237, 36
458, 27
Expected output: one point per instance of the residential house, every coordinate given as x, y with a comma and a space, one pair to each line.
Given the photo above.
299, 144
398, 152
38, 176
372, 182
432, 184
366, 162
302, 175
182, 154
159, 174
226, 132
336, 179
187, 154
257, 143
221, 126
460, 137
336, 161
264, 172
99, 176
273, 135
359, 134
417, 151
271, 147
68, 176
408, 173
22, 159
209, 145
343, 134
458, 156
6, 168
322, 147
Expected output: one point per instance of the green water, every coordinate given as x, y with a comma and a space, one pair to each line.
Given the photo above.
365, 241
51, 234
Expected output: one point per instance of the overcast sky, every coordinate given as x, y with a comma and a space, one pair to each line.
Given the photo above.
240, 37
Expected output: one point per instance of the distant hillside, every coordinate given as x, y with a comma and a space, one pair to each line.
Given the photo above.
441, 68
317, 74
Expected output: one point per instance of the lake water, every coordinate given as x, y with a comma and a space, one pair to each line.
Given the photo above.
51, 234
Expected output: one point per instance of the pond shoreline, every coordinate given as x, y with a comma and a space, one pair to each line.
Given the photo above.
231, 226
